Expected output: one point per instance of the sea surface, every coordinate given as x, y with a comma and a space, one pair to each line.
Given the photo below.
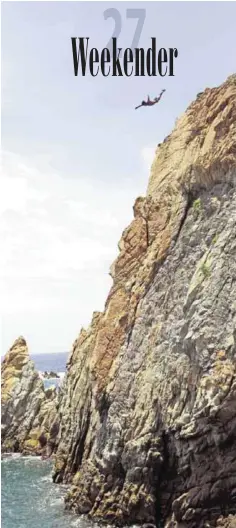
50, 362
29, 497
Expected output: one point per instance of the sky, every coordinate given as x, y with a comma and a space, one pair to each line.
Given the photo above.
75, 153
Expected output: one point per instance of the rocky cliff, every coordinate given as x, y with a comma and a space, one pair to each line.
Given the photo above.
29, 413
148, 414
148, 408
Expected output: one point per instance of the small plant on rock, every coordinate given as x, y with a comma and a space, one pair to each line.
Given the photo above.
205, 269
215, 238
197, 205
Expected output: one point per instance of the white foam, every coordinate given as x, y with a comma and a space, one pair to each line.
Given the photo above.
48, 478
9, 456
31, 457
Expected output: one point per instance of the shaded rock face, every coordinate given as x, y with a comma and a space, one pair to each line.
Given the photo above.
148, 409
29, 413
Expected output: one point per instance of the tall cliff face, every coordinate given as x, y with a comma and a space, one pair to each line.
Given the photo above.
29, 413
148, 414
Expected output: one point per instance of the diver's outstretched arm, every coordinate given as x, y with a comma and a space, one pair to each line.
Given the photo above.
158, 98
139, 106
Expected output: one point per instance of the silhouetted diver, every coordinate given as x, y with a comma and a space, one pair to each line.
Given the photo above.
149, 102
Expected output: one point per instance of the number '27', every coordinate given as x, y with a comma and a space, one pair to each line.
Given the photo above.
140, 14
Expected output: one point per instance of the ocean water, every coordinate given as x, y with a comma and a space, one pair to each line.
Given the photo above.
29, 497
50, 362
31, 500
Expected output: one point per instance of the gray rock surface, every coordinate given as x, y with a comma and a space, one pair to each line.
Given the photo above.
148, 412
29, 413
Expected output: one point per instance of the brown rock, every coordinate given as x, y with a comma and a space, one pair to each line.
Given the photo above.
29, 413
148, 411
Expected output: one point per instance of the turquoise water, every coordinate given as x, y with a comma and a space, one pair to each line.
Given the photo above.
30, 499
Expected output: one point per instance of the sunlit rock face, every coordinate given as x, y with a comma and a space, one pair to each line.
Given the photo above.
148, 410
29, 413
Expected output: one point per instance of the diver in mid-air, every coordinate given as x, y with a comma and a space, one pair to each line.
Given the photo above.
150, 102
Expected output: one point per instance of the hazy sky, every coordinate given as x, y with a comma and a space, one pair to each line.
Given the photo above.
76, 154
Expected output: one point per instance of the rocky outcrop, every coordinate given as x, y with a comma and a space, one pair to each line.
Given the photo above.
228, 522
29, 413
50, 375
148, 410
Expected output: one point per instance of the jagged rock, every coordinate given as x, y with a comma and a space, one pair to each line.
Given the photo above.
148, 407
229, 522
49, 375
29, 413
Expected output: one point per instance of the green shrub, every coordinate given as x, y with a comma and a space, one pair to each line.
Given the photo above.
197, 205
